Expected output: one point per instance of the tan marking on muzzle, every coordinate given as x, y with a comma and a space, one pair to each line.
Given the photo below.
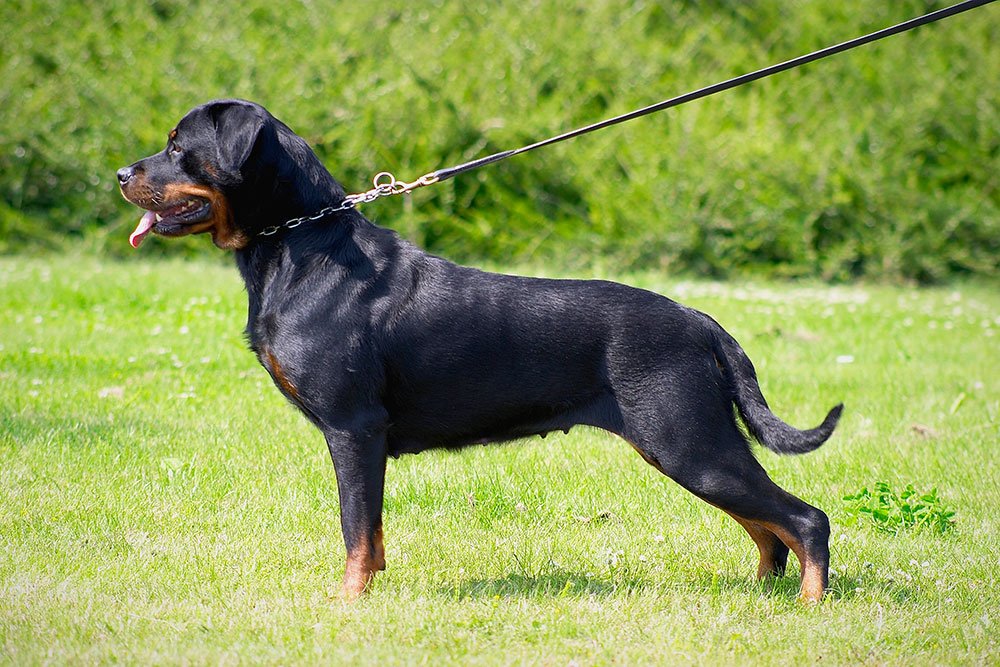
224, 232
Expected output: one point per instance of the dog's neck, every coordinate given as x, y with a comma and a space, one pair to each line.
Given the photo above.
296, 187
266, 263
287, 181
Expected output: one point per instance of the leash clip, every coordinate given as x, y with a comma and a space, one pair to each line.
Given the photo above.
386, 185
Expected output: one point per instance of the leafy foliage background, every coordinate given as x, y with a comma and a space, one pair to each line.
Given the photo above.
881, 163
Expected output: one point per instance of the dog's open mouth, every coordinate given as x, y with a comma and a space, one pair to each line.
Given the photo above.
171, 219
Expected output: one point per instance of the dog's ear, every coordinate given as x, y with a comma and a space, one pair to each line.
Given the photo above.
238, 128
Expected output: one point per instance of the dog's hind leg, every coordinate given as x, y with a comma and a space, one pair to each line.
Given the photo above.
716, 464
773, 552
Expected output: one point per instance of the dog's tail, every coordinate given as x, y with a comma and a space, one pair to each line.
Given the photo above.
763, 424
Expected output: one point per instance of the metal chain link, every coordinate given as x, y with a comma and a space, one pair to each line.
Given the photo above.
384, 185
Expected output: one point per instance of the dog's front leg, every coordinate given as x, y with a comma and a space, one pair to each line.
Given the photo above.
359, 458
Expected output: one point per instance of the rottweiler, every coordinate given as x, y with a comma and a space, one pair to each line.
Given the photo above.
389, 350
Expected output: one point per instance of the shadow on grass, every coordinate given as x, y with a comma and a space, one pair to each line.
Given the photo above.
712, 583
841, 587
870, 584
555, 584
563, 583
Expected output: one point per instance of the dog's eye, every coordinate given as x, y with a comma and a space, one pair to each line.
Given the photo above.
172, 147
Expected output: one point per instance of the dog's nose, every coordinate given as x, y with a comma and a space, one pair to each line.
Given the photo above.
125, 174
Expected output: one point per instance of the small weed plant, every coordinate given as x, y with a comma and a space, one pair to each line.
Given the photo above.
891, 512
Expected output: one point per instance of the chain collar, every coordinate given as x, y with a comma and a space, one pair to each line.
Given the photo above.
385, 185
295, 222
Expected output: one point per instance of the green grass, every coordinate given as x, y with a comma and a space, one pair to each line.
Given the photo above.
159, 502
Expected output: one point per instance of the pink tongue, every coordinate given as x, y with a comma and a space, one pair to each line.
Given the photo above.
142, 229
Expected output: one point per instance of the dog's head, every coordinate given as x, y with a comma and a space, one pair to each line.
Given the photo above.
229, 169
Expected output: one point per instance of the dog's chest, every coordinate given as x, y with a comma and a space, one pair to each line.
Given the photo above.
273, 355
312, 360
269, 360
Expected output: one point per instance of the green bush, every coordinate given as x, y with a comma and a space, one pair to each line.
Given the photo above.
878, 163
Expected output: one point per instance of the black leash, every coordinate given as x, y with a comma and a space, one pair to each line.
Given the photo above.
445, 174
385, 184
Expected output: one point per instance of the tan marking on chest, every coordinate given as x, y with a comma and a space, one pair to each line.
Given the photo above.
279, 375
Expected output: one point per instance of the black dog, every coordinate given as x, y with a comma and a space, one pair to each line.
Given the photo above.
389, 350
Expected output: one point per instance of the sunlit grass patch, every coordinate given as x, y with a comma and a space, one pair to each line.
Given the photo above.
160, 502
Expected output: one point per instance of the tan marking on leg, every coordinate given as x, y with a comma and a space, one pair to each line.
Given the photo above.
646, 457
813, 585
362, 564
813, 577
764, 539
379, 554
357, 575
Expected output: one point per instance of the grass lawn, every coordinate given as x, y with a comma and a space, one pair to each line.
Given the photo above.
160, 502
